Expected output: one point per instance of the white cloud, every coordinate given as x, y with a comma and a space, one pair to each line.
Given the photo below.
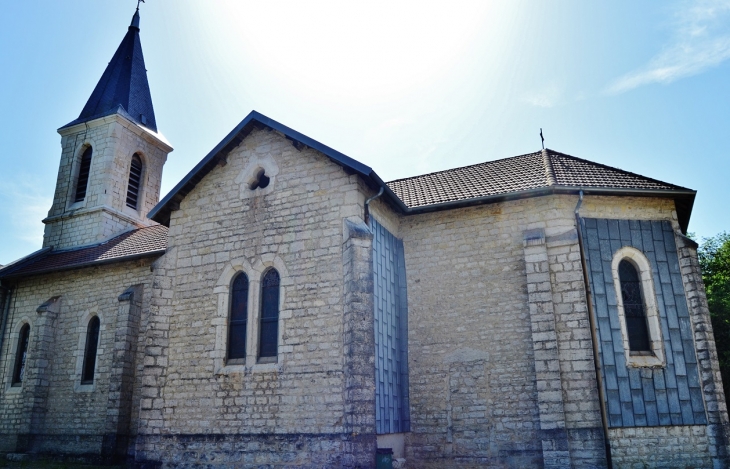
549, 96
701, 41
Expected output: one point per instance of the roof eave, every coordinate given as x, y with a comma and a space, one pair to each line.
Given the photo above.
114, 260
15, 265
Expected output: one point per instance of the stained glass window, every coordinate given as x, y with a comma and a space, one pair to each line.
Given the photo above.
269, 314
634, 311
92, 343
238, 318
21, 355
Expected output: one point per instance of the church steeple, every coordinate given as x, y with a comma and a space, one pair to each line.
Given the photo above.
123, 88
112, 156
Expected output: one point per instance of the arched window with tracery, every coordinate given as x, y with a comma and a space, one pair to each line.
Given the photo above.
84, 170
237, 319
634, 308
21, 355
135, 181
269, 323
92, 343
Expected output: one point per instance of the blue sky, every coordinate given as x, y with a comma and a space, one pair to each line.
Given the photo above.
406, 88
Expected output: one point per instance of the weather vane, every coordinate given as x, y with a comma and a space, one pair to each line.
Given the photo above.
138, 2
541, 137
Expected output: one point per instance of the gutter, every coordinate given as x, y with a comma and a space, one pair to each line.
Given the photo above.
7, 294
594, 339
549, 190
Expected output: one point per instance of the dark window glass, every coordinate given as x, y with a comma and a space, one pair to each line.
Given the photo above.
633, 300
135, 178
238, 318
20, 355
92, 342
83, 179
269, 314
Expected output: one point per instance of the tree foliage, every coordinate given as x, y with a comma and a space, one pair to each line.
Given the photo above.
714, 257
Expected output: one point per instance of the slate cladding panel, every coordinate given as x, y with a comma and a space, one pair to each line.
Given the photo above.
392, 406
640, 397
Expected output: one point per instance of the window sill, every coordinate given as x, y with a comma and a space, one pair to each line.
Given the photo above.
81, 387
233, 369
15, 389
643, 360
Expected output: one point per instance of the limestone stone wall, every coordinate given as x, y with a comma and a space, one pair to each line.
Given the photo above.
473, 393
718, 428
501, 360
103, 213
295, 225
678, 446
52, 411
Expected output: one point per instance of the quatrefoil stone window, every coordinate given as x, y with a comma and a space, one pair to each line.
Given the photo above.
260, 180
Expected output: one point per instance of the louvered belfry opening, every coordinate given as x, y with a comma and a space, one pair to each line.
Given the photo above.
633, 301
83, 179
135, 178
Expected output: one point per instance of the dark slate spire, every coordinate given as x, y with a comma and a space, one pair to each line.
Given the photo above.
124, 83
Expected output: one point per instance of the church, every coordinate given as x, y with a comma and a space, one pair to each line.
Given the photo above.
283, 306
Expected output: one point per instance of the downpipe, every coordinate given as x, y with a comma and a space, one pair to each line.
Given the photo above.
594, 339
367, 205
7, 295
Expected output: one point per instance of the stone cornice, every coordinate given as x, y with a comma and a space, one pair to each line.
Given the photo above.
147, 134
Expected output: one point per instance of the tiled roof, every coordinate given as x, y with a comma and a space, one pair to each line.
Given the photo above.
141, 242
123, 83
516, 174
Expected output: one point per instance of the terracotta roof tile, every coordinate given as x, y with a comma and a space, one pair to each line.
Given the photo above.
138, 242
516, 174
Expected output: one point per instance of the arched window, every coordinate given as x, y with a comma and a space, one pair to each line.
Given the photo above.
92, 342
83, 179
634, 309
269, 331
135, 179
20, 355
237, 319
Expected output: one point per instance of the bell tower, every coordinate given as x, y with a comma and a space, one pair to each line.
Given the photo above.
112, 156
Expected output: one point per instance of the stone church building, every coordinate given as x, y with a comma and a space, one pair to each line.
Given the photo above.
283, 306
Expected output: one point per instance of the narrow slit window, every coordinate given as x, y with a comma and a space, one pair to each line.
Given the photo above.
21, 355
83, 179
269, 331
92, 343
634, 310
135, 180
238, 318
